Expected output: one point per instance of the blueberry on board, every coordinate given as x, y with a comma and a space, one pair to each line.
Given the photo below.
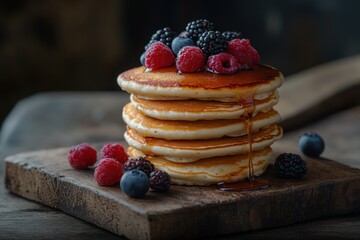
311, 144
135, 183
179, 42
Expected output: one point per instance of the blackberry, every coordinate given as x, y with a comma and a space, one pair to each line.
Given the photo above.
160, 181
195, 28
231, 35
211, 43
139, 163
165, 35
289, 165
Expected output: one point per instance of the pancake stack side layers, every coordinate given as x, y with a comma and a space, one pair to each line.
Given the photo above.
202, 128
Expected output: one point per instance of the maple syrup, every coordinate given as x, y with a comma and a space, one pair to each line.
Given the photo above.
250, 183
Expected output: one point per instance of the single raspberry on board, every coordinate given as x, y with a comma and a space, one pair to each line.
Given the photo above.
82, 156
222, 63
190, 59
108, 172
160, 181
115, 151
158, 55
244, 52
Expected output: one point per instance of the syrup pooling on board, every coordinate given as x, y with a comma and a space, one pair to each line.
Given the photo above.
247, 101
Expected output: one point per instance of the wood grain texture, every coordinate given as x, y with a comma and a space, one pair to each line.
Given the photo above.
184, 212
317, 92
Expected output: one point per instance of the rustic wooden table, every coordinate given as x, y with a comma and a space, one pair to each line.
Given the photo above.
51, 120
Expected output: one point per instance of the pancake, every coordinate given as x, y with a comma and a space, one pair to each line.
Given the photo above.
193, 110
167, 83
189, 130
185, 151
211, 170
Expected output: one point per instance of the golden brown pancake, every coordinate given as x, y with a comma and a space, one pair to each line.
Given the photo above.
193, 110
211, 170
167, 83
188, 130
183, 151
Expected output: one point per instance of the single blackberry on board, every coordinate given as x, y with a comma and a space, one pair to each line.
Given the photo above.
165, 35
160, 181
289, 165
212, 42
195, 28
139, 163
231, 35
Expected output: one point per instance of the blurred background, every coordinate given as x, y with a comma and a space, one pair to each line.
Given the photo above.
81, 45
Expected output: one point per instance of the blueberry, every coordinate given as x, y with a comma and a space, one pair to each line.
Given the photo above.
179, 42
311, 144
135, 183
142, 59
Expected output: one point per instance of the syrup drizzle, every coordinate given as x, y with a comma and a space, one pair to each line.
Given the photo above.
251, 183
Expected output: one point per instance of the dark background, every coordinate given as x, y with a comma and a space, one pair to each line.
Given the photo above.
81, 45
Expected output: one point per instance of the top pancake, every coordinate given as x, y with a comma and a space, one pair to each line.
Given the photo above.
167, 83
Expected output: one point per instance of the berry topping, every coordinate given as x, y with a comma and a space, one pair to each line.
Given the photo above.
115, 151
165, 35
108, 172
142, 59
158, 55
82, 156
246, 55
190, 59
311, 144
289, 165
135, 183
212, 42
160, 181
231, 35
139, 163
195, 28
222, 63
179, 42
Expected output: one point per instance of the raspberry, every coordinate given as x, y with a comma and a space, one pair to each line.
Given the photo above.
158, 55
82, 156
289, 165
222, 63
139, 163
108, 172
190, 59
115, 151
246, 55
160, 181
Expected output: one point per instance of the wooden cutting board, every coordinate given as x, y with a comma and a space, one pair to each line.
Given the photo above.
328, 189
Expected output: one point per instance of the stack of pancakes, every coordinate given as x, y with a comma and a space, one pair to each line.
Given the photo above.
195, 126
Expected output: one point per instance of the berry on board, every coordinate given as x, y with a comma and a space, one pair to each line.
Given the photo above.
160, 181
311, 144
289, 165
158, 55
244, 52
82, 156
115, 151
135, 183
108, 172
222, 63
190, 59
139, 163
